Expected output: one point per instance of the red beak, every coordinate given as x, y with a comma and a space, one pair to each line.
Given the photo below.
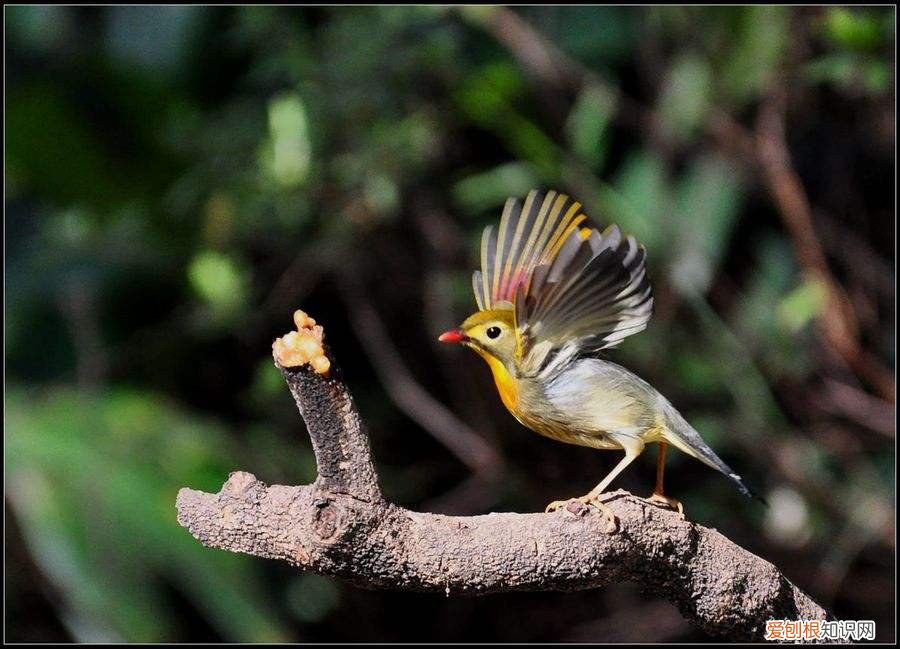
453, 336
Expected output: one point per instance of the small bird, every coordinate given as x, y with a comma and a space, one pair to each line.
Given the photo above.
553, 292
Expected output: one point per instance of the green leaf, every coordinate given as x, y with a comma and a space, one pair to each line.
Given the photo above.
588, 125
488, 92
381, 194
219, 281
638, 197
686, 96
774, 270
856, 29
758, 317
92, 481
55, 153
287, 153
838, 67
802, 305
759, 46
712, 427
877, 75
488, 100
597, 35
490, 189
707, 202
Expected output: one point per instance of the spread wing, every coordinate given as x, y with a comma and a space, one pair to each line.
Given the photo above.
593, 294
530, 235
570, 285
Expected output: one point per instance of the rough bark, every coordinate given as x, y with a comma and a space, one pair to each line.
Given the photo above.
342, 526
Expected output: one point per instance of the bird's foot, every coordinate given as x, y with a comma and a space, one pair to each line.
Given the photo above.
558, 504
665, 501
611, 520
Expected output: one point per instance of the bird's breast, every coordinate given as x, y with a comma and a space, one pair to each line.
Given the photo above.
526, 402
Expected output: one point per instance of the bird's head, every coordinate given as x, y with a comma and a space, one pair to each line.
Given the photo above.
491, 333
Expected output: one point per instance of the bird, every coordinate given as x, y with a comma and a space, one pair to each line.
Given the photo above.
553, 292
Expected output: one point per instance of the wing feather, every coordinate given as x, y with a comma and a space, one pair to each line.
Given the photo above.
596, 292
488, 257
478, 289
529, 235
568, 284
511, 270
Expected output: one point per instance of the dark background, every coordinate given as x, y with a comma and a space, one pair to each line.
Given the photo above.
179, 179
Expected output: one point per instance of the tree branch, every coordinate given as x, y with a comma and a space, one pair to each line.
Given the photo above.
342, 526
339, 442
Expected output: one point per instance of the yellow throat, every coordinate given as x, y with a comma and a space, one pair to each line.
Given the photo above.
507, 385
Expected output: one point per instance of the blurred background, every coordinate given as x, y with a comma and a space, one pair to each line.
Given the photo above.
180, 179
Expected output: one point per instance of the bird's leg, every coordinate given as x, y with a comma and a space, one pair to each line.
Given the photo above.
633, 447
658, 495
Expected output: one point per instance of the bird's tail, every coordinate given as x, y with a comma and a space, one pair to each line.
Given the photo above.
682, 435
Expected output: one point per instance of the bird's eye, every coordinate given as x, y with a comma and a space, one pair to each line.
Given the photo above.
493, 332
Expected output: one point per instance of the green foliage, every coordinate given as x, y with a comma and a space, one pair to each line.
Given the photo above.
93, 480
857, 29
52, 151
588, 125
487, 190
802, 305
706, 203
598, 35
774, 311
639, 198
847, 70
754, 57
697, 373
219, 282
287, 153
685, 99
853, 62
488, 98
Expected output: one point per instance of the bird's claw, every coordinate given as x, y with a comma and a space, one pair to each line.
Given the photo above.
671, 503
558, 504
611, 520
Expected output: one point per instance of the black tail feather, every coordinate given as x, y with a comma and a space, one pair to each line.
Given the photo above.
745, 489
683, 436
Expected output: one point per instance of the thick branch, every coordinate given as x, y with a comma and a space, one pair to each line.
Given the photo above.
341, 526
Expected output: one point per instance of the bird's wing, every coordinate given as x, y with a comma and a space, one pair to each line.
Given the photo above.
530, 235
592, 293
